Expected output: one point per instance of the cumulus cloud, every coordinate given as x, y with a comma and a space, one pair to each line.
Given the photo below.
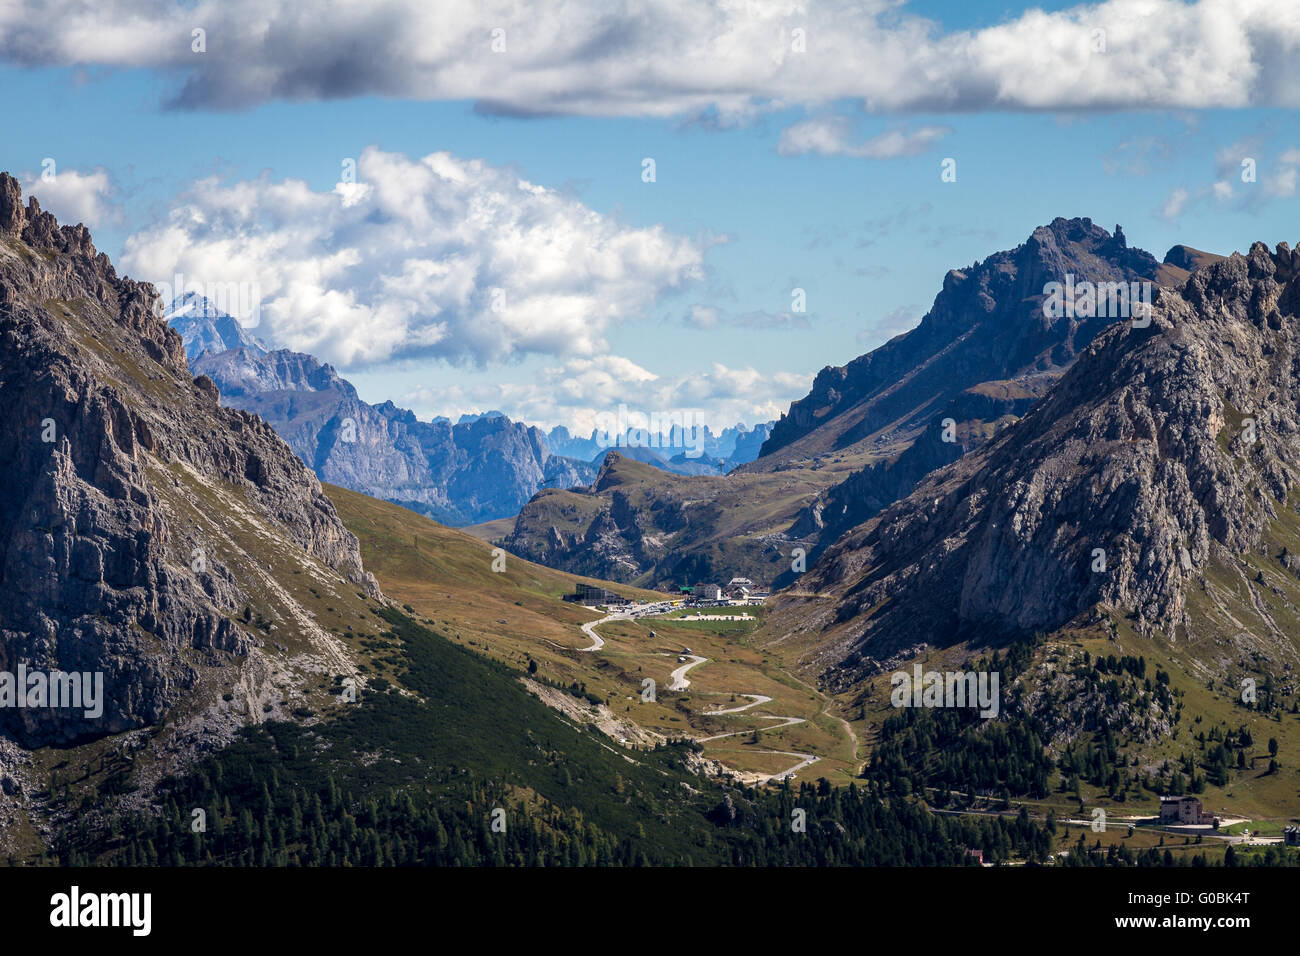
439, 256
73, 196
578, 392
666, 58
833, 136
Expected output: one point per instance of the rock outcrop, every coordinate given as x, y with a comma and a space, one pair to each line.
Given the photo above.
135, 509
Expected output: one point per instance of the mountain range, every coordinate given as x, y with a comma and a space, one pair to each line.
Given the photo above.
1156, 481
482, 467
865, 434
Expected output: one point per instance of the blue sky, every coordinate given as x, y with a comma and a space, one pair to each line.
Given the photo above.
687, 298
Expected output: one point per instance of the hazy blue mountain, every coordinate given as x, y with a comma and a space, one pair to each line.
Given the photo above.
481, 468
205, 328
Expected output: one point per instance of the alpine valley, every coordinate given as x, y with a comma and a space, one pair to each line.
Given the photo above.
342, 635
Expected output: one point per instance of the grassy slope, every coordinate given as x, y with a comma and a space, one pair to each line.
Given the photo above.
491, 530
445, 576
1246, 624
462, 728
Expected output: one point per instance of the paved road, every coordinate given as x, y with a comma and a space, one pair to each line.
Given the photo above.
597, 642
679, 681
757, 699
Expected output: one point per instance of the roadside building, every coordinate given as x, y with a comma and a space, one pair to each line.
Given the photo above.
1185, 811
591, 596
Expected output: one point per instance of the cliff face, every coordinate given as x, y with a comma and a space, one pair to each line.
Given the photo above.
987, 324
965, 423
1155, 479
459, 474
137, 516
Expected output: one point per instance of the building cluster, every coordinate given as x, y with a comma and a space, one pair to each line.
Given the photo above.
737, 589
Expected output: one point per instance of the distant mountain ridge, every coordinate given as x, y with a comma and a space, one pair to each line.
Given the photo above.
735, 445
482, 468
205, 328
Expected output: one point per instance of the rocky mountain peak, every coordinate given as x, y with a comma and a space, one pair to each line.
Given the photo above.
37, 228
206, 328
986, 324
1160, 459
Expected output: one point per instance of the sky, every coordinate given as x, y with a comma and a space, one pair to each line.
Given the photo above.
557, 209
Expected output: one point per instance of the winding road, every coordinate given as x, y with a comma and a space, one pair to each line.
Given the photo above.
678, 677
679, 682
597, 642
755, 700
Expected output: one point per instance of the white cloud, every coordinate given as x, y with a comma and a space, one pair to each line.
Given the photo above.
701, 316
576, 393
1173, 205
832, 136
1281, 180
667, 58
75, 197
439, 256
895, 322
